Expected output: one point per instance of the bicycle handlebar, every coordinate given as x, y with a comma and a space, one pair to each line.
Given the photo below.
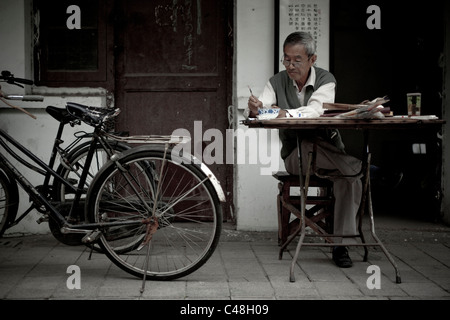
23, 81
9, 78
23, 97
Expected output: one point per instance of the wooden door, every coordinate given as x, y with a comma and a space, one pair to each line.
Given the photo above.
173, 63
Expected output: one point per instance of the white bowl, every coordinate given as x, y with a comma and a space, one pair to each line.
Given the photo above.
268, 113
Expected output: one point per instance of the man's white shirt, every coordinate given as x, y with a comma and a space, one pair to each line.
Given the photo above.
313, 107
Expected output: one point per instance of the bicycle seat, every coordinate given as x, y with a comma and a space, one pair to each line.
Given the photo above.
93, 116
60, 114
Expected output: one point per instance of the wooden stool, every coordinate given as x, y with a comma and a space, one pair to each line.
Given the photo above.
319, 213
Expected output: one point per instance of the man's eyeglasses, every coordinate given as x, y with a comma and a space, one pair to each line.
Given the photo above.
296, 64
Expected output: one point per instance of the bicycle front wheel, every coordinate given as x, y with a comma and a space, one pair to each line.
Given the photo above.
76, 163
9, 199
71, 171
180, 198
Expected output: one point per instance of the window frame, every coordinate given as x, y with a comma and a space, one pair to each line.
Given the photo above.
73, 78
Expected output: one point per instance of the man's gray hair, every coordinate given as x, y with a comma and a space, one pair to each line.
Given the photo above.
303, 38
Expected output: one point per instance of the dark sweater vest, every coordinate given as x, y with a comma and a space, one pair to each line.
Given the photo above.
286, 95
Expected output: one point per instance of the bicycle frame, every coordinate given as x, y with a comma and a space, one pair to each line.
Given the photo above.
38, 197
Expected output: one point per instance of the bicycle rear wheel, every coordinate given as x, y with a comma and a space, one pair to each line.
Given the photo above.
180, 197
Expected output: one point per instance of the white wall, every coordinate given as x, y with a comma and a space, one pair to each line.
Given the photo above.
15, 37
255, 193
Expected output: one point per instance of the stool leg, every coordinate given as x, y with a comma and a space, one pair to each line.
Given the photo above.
283, 214
283, 222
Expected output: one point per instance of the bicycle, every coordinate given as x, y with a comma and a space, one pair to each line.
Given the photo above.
148, 196
72, 161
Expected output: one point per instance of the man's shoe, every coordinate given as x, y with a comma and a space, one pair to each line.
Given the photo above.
341, 257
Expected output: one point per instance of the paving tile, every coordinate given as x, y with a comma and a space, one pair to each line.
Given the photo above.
424, 290
338, 288
212, 290
253, 289
245, 266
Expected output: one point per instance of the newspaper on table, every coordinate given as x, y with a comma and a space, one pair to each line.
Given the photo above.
364, 110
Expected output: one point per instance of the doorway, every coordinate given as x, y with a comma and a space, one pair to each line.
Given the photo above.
173, 63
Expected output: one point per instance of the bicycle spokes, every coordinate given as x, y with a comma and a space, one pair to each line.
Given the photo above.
179, 211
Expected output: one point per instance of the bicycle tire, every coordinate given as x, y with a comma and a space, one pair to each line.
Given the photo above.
188, 211
71, 171
9, 199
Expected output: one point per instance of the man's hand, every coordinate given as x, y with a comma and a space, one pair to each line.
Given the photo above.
254, 104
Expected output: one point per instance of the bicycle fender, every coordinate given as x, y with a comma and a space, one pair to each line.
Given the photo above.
215, 182
204, 168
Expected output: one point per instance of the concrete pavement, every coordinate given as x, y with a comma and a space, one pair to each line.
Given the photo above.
245, 266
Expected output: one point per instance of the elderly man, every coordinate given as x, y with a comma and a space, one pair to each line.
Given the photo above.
300, 91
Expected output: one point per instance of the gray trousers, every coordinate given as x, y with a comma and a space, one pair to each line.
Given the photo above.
347, 190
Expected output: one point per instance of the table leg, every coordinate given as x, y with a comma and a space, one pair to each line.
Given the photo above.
365, 200
367, 195
377, 240
303, 194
